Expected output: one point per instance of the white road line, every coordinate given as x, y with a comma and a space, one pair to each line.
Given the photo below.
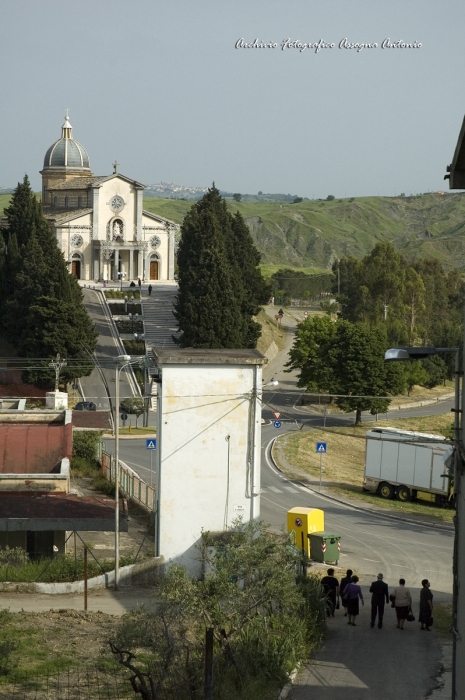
292, 490
273, 488
374, 560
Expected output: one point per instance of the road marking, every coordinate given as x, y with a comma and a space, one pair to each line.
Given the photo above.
292, 490
375, 560
273, 488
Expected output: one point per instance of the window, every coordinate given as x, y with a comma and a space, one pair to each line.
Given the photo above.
79, 202
66, 201
55, 201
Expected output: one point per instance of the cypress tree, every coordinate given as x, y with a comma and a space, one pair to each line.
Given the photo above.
208, 304
245, 260
41, 292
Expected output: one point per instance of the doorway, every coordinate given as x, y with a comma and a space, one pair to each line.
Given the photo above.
154, 269
76, 268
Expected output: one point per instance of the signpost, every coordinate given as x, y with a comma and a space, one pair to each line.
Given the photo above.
321, 449
151, 444
277, 424
277, 414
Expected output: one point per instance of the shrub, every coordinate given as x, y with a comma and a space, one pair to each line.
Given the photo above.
86, 443
14, 556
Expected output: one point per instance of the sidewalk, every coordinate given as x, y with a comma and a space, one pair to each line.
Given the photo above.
351, 665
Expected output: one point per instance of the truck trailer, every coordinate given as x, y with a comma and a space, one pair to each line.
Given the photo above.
407, 465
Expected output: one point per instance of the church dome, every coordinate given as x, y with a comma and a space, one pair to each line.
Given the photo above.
66, 152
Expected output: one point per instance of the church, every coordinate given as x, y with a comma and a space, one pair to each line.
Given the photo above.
100, 224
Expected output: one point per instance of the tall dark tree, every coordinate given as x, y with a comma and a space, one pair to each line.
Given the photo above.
220, 284
41, 292
207, 307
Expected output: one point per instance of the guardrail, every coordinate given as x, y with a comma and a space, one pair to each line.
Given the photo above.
131, 484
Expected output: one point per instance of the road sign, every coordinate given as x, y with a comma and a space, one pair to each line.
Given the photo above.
277, 424
151, 444
277, 414
124, 416
321, 447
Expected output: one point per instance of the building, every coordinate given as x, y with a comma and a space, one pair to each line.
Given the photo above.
100, 223
208, 446
456, 179
38, 512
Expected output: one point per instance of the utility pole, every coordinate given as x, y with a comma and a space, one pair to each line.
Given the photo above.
386, 307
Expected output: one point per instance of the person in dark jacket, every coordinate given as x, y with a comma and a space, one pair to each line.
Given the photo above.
150, 289
344, 582
379, 596
331, 588
426, 606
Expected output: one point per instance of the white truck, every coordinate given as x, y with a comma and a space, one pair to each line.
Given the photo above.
407, 465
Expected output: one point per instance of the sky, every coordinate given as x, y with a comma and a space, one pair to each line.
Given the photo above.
160, 86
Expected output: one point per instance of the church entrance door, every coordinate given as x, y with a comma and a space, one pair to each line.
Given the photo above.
76, 269
153, 269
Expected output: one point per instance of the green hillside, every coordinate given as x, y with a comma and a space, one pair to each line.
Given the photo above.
314, 233
311, 234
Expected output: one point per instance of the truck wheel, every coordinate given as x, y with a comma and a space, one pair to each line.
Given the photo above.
403, 493
385, 490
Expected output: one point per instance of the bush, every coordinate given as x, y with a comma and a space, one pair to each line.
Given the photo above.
61, 568
14, 556
80, 466
117, 294
86, 444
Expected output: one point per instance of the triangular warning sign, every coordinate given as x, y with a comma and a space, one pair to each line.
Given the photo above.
321, 448
151, 444
277, 414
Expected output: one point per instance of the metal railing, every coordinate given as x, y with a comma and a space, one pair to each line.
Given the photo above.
131, 484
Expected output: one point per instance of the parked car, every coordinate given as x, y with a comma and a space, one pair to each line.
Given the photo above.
85, 406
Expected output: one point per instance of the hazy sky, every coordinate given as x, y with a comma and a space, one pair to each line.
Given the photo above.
160, 86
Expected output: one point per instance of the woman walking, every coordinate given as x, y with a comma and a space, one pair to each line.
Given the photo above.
402, 603
426, 606
344, 582
353, 593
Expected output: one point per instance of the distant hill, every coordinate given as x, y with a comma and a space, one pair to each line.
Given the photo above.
316, 232
313, 233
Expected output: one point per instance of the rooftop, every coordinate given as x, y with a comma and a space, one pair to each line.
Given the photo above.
184, 356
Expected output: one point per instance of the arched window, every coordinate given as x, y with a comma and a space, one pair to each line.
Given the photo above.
117, 230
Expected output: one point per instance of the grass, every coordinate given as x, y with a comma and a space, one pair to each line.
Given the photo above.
62, 568
117, 294
442, 615
343, 463
270, 333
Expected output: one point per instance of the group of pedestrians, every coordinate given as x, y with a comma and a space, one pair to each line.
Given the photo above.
350, 594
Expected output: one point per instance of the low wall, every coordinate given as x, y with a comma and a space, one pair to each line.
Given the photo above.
146, 573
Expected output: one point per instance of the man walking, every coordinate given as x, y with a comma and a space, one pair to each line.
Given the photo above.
380, 595
331, 588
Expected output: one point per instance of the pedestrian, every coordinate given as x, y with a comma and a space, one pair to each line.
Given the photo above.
426, 606
280, 312
139, 282
353, 592
379, 595
133, 284
402, 603
344, 582
150, 289
331, 588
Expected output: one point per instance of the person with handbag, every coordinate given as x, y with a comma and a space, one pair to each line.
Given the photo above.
344, 582
426, 606
379, 595
402, 603
352, 593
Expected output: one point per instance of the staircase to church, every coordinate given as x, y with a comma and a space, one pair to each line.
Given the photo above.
157, 311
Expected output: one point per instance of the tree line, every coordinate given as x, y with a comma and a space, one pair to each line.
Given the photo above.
221, 286
384, 301
41, 310
290, 284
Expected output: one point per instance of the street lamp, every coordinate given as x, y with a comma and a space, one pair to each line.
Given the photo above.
400, 354
121, 362
121, 275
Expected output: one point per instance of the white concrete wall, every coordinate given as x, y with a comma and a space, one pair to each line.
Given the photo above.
204, 410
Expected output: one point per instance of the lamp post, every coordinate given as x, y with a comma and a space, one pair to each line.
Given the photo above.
121, 275
121, 362
394, 354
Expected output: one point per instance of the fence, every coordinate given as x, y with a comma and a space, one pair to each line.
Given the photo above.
72, 684
131, 484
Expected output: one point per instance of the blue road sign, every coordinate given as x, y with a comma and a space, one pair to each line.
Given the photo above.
321, 447
151, 444
277, 424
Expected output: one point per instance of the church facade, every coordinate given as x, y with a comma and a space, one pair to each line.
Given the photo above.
100, 224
